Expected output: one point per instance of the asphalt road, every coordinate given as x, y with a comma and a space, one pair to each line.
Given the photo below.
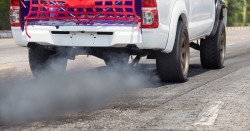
91, 96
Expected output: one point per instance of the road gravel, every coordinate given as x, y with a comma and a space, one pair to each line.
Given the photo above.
209, 100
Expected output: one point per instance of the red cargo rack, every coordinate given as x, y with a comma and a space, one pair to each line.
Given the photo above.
118, 10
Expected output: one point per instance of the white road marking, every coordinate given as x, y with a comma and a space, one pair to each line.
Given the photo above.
209, 115
229, 44
6, 68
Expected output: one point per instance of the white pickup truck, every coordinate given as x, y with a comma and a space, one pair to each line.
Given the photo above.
115, 29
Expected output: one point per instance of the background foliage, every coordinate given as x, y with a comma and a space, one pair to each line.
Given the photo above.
235, 13
4, 14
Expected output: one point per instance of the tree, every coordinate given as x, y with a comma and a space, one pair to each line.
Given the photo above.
235, 7
4, 14
244, 12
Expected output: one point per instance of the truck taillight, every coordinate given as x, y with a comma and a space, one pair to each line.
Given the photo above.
149, 14
15, 12
149, 3
14, 2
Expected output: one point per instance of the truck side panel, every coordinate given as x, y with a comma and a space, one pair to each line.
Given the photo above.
199, 17
202, 17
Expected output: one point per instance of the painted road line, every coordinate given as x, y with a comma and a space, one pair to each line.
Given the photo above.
7, 68
208, 115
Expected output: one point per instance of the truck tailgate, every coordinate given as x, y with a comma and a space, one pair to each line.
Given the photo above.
107, 23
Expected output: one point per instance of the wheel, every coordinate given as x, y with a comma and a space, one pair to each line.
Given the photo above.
173, 67
213, 49
113, 59
46, 62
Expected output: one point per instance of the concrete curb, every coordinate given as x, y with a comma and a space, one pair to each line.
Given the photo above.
238, 28
5, 34
8, 34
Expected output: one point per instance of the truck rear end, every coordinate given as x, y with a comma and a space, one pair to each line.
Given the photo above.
108, 29
54, 22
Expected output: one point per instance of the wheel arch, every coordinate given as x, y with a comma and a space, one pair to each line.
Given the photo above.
183, 18
221, 14
179, 13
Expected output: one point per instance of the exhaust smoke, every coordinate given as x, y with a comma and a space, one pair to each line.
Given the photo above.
51, 95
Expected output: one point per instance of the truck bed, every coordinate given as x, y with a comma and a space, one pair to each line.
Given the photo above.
51, 13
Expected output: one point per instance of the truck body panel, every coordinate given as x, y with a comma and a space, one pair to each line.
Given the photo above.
199, 16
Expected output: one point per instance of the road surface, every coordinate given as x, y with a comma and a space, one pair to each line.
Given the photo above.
92, 96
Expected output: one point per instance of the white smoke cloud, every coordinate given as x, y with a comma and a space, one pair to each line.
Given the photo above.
51, 95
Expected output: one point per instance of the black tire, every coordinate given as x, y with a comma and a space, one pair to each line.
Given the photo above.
173, 67
45, 62
213, 49
114, 59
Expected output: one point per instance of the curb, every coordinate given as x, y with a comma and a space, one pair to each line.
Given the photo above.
238, 28
5, 34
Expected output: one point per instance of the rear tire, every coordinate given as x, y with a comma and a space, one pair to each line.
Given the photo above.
213, 49
46, 62
173, 67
